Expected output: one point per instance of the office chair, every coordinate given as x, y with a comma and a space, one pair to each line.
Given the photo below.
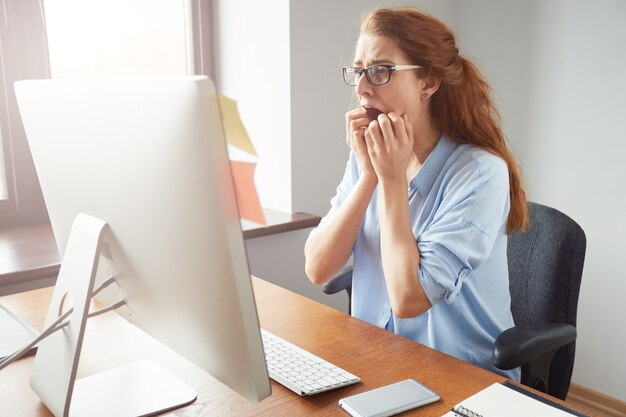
545, 271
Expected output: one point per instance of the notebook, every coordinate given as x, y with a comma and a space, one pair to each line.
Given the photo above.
510, 400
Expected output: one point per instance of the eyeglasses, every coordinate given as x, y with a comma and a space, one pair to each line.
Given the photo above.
376, 74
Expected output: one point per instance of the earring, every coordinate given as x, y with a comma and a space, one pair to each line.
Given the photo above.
424, 96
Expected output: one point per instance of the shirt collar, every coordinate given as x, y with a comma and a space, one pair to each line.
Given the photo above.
428, 173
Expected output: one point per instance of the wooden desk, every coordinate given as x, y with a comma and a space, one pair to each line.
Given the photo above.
377, 356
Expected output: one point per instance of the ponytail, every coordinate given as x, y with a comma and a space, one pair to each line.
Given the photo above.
465, 112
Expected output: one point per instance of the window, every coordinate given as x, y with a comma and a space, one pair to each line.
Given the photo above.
95, 38
86, 38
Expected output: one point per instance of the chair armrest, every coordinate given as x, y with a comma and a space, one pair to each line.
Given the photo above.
340, 282
520, 345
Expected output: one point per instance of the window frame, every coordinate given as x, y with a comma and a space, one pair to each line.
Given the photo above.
23, 54
203, 24
8, 205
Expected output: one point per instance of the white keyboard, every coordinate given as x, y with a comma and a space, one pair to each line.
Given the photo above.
301, 371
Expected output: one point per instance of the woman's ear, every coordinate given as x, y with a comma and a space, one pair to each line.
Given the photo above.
430, 86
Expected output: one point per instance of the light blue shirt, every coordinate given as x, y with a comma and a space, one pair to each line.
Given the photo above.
459, 205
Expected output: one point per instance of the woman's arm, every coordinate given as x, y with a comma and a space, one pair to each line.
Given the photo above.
390, 149
400, 256
329, 245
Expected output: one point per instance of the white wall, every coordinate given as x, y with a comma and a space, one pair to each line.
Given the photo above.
557, 72
279, 259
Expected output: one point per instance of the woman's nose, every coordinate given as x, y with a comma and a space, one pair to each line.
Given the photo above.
363, 87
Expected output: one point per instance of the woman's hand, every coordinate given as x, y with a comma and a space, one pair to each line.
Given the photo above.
356, 124
389, 142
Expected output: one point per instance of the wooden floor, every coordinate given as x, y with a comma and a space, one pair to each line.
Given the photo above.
600, 404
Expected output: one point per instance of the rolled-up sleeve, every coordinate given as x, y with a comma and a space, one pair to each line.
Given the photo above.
350, 178
462, 233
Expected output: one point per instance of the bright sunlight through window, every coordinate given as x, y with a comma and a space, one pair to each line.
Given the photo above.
118, 38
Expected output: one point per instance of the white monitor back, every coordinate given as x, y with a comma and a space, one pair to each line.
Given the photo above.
148, 156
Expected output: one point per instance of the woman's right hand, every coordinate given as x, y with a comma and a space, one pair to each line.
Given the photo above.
356, 122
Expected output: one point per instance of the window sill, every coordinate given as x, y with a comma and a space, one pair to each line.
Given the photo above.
30, 253
278, 222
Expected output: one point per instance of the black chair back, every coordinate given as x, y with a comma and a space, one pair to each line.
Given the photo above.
545, 271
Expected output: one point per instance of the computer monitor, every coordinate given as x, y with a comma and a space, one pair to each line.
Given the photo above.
148, 157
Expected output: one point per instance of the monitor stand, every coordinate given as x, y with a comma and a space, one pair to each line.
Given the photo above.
138, 389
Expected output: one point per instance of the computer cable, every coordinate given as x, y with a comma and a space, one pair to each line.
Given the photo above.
59, 323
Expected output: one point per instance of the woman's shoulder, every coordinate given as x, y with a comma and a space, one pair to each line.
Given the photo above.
478, 160
474, 172
470, 167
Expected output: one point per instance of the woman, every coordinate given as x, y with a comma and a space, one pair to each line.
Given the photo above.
429, 193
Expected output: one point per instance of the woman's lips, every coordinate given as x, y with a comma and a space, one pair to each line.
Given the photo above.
372, 112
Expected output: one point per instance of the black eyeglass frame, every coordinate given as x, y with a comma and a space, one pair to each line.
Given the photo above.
390, 69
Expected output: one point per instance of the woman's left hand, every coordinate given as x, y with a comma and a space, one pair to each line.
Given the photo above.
389, 142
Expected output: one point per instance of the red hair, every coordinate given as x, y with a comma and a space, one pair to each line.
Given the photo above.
462, 107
